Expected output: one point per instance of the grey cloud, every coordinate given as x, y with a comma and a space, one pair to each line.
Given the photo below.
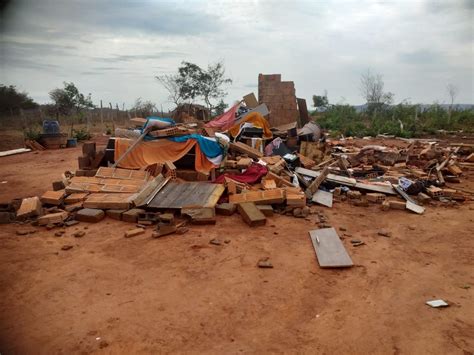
134, 57
422, 56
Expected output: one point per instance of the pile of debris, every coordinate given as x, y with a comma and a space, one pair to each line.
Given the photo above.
167, 176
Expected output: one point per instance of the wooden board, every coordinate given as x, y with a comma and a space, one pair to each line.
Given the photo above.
323, 198
338, 179
329, 249
187, 194
303, 110
250, 100
14, 151
385, 189
150, 190
245, 149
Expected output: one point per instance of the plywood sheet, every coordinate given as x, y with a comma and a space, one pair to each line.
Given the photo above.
329, 249
187, 194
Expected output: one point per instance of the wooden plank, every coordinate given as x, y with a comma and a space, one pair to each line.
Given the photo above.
150, 190
303, 110
215, 196
278, 179
131, 147
331, 177
245, 149
385, 189
329, 249
251, 214
323, 198
314, 186
14, 151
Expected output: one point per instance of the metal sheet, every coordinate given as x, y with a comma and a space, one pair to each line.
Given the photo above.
323, 198
329, 249
187, 194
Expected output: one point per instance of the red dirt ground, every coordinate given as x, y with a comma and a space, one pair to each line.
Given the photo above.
180, 294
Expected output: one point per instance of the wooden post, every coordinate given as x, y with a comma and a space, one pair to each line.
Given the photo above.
101, 115
112, 117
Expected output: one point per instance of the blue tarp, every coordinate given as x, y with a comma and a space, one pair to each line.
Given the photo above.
209, 148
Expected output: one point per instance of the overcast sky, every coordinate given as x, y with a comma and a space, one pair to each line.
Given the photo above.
113, 49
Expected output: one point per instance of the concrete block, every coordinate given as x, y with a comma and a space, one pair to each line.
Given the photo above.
90, 215
132, 215
115, 214
226, 209
58, 185
251, 214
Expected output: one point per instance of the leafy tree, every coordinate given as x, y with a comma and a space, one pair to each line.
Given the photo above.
69, 99
143, 108
219, 109
321, 100
211, 83
372, 89
11, 100
191, 82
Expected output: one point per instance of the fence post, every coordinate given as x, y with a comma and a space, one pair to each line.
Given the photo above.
101, 115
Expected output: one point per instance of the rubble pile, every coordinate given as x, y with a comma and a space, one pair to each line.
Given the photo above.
168, 176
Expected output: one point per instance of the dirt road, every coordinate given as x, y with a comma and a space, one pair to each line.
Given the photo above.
181, 294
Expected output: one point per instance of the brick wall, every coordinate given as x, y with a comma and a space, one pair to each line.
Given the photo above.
280, 97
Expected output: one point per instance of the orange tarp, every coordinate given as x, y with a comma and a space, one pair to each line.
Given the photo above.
257, 120
159, 151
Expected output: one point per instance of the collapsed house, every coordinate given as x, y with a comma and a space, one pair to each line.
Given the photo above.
251, 160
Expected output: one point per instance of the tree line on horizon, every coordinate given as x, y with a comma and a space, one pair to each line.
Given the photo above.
192, 84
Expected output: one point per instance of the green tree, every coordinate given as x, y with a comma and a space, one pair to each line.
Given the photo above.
68, 99
191, 82
11, 100
212, 82
321, 100
219, 109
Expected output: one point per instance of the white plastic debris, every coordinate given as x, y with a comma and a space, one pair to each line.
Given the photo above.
437, 303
